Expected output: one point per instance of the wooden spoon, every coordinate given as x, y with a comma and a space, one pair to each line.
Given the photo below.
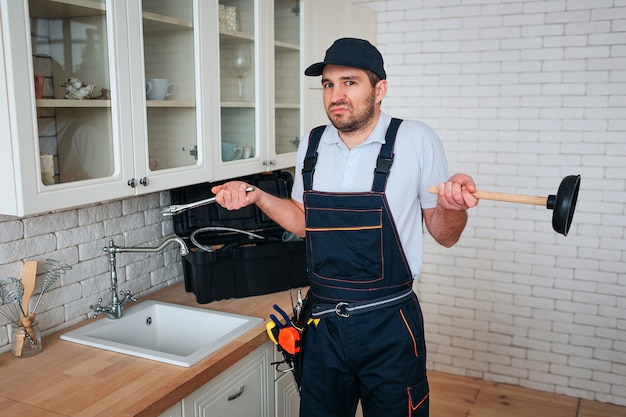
29, 276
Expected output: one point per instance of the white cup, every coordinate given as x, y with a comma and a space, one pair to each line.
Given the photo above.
231, 151
247, 152
159, 88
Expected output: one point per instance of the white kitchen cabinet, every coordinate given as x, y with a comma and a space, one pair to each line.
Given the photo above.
237, 72
260, 93
266, 103
175, 411
287, 397
66, 152
245, 389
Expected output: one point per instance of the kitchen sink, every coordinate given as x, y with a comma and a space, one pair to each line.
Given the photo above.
165, 332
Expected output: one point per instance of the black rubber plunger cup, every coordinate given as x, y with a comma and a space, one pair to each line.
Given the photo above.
562, 204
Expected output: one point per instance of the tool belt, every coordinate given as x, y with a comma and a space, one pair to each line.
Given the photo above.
346, 309
288, 334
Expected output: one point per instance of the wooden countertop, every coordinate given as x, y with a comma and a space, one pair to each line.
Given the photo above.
68, 379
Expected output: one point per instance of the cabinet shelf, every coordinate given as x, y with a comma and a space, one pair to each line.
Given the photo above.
158, 22
238, 104
52, 102
59, 9
286, 46
249, 105
239, 36
170, 103
236, 36
293, 106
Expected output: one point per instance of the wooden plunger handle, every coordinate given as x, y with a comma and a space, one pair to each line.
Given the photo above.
507, 198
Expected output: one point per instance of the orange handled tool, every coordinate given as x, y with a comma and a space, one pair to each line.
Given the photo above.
272, 331
288, 338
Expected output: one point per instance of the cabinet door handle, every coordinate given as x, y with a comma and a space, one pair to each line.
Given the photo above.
144, 181
132, 183
237, 394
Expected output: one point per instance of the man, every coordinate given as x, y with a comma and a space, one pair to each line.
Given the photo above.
360, 197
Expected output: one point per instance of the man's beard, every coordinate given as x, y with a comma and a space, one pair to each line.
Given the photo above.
357, 120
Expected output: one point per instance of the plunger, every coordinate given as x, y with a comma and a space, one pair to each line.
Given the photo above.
563, 203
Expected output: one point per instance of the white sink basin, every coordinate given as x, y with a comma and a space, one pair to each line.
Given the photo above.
164, 332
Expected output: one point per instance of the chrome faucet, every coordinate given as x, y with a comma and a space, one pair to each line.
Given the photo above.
114, 311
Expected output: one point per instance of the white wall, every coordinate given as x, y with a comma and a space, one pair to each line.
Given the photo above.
522, 93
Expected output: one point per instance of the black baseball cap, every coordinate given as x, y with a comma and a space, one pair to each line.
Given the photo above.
351, 52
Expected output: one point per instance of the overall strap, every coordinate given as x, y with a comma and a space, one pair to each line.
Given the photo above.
308, 167
383, 163
385, 157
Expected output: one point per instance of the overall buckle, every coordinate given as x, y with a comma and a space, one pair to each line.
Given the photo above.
342, 309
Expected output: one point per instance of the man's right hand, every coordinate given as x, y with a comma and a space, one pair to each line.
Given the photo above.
233, 195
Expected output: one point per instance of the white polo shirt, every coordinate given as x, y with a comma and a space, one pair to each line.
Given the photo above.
419, 162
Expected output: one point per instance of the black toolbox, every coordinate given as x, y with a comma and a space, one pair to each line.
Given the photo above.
238, 265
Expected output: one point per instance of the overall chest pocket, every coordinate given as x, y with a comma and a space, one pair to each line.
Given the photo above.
345, 244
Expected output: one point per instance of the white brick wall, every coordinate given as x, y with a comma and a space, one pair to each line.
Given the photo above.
77, 237
522, 93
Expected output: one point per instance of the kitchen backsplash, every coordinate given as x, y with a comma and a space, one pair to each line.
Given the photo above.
77, 237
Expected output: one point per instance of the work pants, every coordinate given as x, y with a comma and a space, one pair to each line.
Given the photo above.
378, 357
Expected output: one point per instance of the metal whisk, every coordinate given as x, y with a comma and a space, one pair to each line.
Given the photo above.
11, 319
57, 268
11, 292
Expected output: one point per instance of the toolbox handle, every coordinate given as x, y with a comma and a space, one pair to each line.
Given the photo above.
205, 248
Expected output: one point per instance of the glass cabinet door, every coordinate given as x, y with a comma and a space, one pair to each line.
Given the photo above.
237, 80
287, 76
168, 41
72, 89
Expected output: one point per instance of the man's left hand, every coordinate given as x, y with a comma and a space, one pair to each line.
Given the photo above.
457, 193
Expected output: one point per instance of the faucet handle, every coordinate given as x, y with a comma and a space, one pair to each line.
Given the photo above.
97, 309
127, 297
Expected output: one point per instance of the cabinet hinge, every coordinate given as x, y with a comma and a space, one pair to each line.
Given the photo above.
193, 152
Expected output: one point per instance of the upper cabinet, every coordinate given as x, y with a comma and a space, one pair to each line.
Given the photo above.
266, 102
106, 99
172, 77
260, 86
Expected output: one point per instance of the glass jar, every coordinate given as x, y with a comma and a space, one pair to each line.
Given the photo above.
26, 341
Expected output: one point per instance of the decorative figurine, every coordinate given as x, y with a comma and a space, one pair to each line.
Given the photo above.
104, 95
76, 89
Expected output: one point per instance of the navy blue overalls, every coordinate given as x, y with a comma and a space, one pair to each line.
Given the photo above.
369, 343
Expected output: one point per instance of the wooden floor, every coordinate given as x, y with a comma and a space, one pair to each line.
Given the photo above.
455, 396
